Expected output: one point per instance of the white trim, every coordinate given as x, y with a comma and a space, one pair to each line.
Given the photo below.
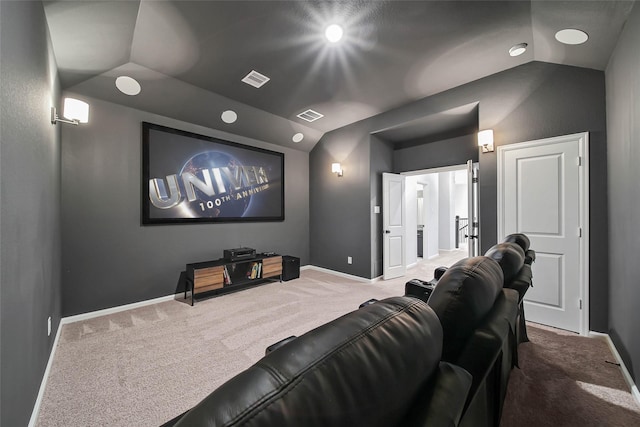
584, 225
45, 377
117, 309
625, 372
345, 275
583, 171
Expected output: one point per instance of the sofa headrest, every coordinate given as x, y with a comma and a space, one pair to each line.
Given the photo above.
462, 298
510, 256
520, 239
364, 368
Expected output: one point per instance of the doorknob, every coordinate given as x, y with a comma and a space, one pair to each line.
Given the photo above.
387, 232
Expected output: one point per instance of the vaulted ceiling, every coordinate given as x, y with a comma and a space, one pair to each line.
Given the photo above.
190, 56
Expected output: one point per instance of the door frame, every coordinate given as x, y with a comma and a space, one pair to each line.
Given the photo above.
452, 168
583, 180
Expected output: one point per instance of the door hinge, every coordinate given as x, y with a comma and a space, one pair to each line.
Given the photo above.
579, 231
580, 303
579, 161
474, 179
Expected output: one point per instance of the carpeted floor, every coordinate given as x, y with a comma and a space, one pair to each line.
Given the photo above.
567, 380
142, 367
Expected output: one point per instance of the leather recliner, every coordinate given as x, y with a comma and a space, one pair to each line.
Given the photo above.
515, 257
476, 314
377, 366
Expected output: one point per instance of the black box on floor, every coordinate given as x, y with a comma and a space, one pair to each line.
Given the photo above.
290, 267
419, 289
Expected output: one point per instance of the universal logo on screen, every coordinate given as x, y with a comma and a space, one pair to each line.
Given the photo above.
224, 186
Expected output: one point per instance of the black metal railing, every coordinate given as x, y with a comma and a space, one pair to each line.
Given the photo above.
462, 230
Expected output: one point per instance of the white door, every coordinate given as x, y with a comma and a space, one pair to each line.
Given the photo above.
393, 224
542, 191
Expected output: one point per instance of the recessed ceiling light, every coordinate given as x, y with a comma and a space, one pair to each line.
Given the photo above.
333, 33
572, 36
518, 49
298, 137
229, 116
128, 85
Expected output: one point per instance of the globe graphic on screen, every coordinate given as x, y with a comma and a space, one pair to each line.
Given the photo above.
220, 204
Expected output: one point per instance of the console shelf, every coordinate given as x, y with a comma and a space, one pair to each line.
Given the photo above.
223, 276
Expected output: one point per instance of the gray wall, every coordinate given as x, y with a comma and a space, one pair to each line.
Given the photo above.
108, 258
448, 152
532, 101
30, 207
623, 153
340, 206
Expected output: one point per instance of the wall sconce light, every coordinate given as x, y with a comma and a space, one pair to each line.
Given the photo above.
336, 168
485, 140
74, 112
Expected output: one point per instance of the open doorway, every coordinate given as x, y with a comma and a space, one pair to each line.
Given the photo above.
438, 219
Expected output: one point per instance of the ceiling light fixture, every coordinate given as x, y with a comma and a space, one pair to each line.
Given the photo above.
333, 33
128, 85
229, 116
518, 49
572, 36
297, 137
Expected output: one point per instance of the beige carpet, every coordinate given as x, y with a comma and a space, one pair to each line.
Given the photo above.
144, 366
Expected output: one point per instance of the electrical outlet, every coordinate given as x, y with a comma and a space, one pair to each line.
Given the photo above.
49, 326
349, 260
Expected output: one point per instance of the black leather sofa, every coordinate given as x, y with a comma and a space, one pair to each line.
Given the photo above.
479, 303
377, 366
515, 257
478, 317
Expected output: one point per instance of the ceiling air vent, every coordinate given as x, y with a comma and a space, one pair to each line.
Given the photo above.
310, 115
255, 79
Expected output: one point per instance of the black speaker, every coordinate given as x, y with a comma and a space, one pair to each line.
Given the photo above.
290, 267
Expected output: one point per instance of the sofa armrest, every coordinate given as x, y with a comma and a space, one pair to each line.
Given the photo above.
444, 398
529, 256
279, 344
521, 282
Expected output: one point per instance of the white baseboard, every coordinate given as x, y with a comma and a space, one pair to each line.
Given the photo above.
625, 372
104, 312
45, 377
338, 273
